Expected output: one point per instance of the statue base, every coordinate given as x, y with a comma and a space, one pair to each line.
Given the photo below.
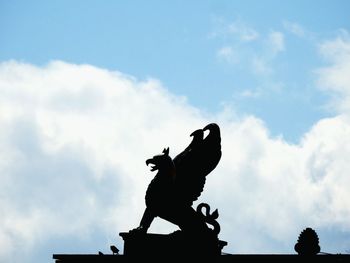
174, 244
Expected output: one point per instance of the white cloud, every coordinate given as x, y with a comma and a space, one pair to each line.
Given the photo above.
275, 41
261, 66
336, 76
244, 32
245, 47
237, 30
74, 139
294, 28
228, 54
248, 93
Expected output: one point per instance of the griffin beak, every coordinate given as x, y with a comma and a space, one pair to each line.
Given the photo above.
148, 161
154, 166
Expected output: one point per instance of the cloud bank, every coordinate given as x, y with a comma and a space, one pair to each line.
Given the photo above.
74, 139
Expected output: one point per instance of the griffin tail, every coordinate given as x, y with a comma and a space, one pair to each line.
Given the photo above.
209, 218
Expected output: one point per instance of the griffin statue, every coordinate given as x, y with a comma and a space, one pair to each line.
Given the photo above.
179, 182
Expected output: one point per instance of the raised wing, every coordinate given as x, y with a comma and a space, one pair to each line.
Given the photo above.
193, 164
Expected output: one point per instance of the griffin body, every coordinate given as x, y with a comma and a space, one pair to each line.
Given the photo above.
180, 181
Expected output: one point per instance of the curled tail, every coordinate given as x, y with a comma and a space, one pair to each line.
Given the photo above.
209, 218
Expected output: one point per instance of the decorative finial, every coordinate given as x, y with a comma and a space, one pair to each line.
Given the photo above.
307, 243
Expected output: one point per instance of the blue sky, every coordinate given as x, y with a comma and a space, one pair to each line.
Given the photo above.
178, 43
91, 89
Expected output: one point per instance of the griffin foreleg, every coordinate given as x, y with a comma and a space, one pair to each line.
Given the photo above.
146, 220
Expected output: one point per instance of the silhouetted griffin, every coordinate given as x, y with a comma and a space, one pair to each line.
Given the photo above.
180, 181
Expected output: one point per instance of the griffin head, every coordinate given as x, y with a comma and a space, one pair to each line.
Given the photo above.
161, 161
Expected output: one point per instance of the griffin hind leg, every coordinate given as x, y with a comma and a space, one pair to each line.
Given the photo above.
186, 218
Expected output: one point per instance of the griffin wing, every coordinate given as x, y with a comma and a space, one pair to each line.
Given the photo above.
193, 164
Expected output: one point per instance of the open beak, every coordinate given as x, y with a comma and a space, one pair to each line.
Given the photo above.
154, 166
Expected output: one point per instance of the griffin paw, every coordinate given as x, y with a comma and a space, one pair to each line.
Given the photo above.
138, 230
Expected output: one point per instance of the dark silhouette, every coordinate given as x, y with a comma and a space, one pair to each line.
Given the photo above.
114, 249
237, 258
307, 244
170, 195
178, 183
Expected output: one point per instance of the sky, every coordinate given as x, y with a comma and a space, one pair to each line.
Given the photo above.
91, 89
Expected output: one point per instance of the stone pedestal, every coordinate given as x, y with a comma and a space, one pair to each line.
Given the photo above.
174, 244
